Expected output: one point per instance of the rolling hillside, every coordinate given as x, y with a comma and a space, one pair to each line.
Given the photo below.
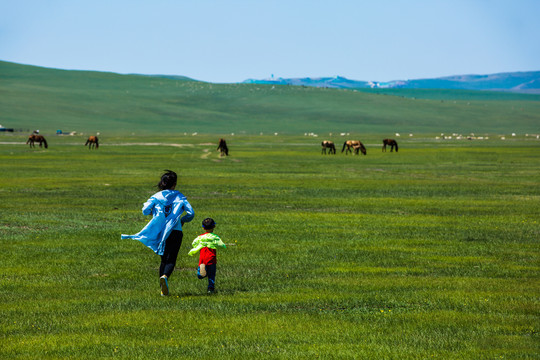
50, 99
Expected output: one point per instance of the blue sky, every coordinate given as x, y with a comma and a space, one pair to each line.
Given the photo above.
230, 41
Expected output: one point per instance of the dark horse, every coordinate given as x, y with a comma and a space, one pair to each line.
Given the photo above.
353, 145
391, 142
37, 138
91, 142
222, 146
326, 144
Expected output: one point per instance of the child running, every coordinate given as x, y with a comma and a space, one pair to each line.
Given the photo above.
163, 234
207, 243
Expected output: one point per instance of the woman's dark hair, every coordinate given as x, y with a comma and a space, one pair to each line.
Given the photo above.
168, 180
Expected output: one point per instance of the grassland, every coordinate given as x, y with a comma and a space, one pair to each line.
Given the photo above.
431, 252
112, 104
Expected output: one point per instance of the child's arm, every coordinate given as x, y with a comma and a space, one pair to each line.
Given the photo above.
196, 245
219, 242
195, 250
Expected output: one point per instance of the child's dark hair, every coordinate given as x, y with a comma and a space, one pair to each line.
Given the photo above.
168, 180
208, 223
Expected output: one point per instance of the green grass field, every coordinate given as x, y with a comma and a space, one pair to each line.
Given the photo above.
431, 252
121, 105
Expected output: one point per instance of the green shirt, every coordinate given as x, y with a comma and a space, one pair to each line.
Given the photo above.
208, 240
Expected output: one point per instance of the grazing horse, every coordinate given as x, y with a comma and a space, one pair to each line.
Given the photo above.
222, 146
326, 144
91, 142
37, 138
391, 142
353, 145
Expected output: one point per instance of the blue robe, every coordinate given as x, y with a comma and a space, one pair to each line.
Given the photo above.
166, 207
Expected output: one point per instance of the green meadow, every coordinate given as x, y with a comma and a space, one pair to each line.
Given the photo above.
126, 105
431, 252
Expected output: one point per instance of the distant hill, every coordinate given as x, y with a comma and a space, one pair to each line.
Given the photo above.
170, 77
523, 82
88, 102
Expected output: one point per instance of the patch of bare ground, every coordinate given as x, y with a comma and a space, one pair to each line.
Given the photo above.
151, 144
206, 154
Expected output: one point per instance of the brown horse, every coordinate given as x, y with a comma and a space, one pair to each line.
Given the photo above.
353, 145
391, 142
91, 142
37, 138
327, 144
222, 146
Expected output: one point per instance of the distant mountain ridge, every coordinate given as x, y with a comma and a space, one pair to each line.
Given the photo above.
523, 82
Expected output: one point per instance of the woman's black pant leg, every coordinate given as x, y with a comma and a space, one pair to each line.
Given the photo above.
172, 246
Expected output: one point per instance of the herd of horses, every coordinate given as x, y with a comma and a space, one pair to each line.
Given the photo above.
349, 146
355, 146
92, 141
